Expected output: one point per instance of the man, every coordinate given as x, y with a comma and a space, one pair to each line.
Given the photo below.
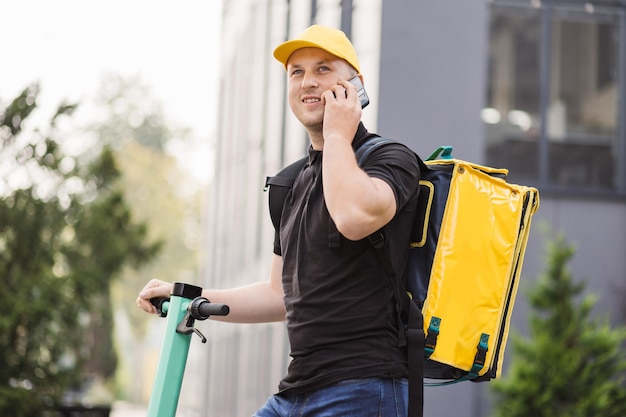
325, 278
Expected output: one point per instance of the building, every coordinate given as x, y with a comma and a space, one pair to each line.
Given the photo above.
536, 86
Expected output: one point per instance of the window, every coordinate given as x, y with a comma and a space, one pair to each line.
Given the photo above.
554, 94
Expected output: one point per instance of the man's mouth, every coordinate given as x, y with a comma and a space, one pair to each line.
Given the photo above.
311, 100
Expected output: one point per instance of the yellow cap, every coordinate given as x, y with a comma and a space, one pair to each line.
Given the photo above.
331, 40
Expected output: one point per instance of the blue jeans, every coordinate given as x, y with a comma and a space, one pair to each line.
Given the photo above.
373, 397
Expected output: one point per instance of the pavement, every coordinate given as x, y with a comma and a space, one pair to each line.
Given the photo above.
121, 409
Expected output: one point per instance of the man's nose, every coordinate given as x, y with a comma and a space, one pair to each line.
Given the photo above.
309, 81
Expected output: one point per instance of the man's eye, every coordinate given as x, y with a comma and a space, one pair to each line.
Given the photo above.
296, 72
323, 69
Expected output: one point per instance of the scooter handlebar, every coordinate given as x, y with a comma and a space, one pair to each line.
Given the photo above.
161, 304
201, 309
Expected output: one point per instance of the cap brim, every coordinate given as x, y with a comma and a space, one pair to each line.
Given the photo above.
284, 50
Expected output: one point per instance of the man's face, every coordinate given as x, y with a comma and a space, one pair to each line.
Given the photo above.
310, 72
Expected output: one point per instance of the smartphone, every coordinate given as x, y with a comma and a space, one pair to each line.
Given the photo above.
360, 90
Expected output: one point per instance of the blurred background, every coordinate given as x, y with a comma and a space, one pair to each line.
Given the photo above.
109, 114
136, 138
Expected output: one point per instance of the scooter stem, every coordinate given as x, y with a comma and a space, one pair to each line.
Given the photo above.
173, 356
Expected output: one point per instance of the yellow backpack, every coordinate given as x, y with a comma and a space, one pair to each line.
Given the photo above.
467, 250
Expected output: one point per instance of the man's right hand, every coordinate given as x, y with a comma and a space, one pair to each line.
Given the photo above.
153, 289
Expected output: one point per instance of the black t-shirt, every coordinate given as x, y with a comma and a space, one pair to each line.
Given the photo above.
341, 318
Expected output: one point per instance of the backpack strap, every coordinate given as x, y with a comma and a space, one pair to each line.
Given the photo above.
414, 322
279, 186
375, 142
413, 318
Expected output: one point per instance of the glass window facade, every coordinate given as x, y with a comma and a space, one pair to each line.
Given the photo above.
555, 93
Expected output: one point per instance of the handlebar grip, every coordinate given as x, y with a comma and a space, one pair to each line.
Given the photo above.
158, 303
210, 309
201, 309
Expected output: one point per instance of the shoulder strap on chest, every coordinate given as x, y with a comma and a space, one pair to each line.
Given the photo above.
279, 185
374, 142
287, 175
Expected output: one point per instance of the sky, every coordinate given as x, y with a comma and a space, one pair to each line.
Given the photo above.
68, 46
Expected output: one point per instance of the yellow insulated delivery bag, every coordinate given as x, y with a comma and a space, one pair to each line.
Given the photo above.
465, 261
466, 258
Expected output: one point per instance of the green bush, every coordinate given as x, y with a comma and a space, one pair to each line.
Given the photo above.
571, 364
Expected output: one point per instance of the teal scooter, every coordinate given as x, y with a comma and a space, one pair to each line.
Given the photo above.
182, 309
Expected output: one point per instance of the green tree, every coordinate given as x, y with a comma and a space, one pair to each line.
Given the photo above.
66, 232
571, 364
